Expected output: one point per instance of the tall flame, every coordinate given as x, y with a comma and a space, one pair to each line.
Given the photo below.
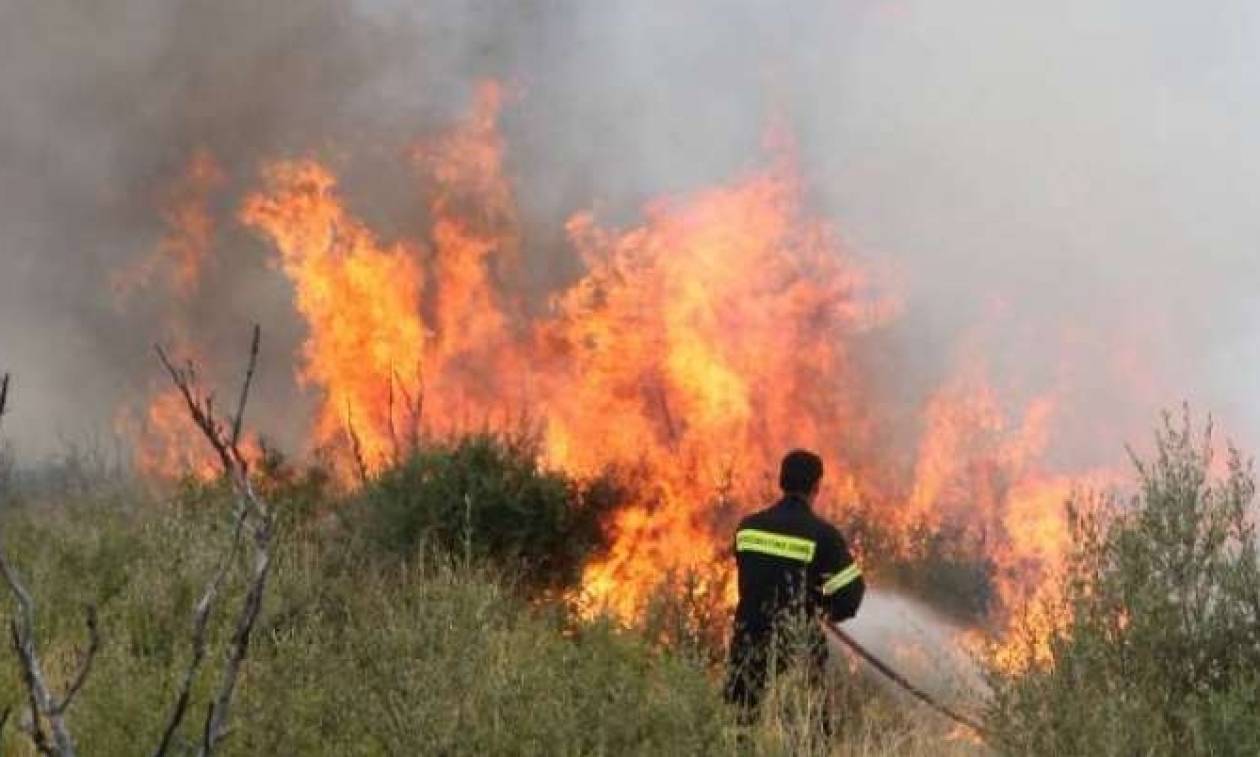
702, 345
727, 327
475, 253
160, 441
361, 302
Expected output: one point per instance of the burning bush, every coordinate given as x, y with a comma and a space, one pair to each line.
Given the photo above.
1157, 644
487, 496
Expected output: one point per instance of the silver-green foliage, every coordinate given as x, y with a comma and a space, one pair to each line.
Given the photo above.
1158, 646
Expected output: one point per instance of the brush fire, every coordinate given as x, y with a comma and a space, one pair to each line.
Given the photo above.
629, 377
727, 325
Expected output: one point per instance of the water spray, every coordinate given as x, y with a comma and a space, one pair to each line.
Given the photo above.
901, 681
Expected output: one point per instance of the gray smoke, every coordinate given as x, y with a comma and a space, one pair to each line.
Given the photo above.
1066, 186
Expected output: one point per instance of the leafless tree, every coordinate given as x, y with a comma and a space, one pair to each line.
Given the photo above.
46, 724
254, 516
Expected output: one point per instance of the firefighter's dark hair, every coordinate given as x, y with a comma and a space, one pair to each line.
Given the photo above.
800, 471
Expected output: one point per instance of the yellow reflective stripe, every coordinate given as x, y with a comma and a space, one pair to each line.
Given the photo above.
842, 579
779, 545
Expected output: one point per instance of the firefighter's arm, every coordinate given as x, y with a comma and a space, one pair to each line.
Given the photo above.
842, 586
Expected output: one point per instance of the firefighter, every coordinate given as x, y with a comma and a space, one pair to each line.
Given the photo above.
792, 564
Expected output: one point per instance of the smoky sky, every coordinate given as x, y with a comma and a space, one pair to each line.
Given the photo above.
1067, 189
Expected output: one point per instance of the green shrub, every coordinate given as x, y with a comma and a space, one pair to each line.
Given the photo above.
352, 655
1158, 646
487, 497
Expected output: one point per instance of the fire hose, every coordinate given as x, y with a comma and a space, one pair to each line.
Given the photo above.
901, 680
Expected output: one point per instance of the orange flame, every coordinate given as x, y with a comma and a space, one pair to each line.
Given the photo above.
729, 326
185, 249
162, 446
475, 252
701, 346
361, 302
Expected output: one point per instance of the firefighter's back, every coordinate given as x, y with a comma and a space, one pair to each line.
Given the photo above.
774, 551
790, 563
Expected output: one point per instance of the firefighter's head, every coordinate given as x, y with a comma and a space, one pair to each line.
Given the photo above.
800, 474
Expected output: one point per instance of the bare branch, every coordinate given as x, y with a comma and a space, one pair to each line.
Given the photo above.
251, 507
415, 409
356, 447
4, 394
85, 668
201, 408
667, 416
207, 742
218, 716
36, 729
393, 432
201, 618
41, 701
43, 704
249, 380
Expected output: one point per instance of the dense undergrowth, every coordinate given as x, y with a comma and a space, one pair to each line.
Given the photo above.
420, 615
428, 613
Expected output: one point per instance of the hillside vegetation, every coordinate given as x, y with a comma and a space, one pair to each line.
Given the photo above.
428, 613
405, 619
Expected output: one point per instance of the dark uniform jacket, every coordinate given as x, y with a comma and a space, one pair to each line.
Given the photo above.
789, 560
